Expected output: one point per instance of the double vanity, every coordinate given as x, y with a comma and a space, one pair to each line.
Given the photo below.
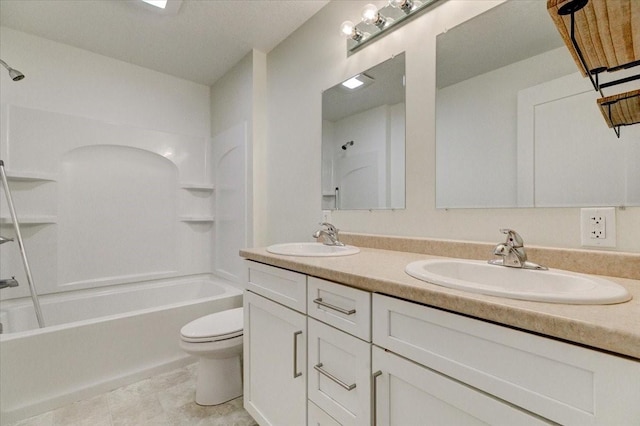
353, 339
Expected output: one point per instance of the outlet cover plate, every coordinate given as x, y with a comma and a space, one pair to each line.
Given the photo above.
598, 227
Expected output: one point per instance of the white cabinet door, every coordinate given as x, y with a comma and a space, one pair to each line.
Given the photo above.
339, 374
275, 374
408, 394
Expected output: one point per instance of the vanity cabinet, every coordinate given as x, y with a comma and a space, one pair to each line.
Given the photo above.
321, 353
275, 342
470, 365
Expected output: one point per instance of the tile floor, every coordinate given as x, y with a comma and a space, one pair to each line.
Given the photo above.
163, 400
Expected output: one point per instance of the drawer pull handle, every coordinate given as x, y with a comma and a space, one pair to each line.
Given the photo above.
375, 397
295, 354
319, 301
318, 368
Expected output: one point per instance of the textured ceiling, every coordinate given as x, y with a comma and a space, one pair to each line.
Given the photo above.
200, 43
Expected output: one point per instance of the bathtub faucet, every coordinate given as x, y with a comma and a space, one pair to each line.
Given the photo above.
9, 282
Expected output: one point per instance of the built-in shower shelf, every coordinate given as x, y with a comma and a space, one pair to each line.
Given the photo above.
198, 186
30, 220
197, 219
30, 176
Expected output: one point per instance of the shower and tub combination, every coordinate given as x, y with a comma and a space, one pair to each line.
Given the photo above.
114, 291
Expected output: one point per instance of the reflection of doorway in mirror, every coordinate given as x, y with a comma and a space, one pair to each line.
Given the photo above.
357, 179
571, 158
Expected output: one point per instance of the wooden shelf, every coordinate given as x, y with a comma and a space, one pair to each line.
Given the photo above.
604, 35
622, 109
607, 33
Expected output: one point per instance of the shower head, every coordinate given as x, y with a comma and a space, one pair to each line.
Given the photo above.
13, 73
347, 145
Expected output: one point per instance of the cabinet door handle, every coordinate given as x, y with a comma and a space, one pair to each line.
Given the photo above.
295, 354
374, 420
318, 368
335, 308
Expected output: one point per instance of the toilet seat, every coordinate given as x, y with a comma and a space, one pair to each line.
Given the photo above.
222, 325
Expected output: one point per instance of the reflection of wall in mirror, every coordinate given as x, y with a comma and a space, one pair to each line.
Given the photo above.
476, 132
369, 173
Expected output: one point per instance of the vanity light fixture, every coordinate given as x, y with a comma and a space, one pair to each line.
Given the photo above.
376, 22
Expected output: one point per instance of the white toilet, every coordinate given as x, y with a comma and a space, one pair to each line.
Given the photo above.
216, 340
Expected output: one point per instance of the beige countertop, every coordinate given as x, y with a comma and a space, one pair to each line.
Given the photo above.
613, 328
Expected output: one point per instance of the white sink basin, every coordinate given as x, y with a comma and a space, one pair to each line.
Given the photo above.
312, 250
553, 286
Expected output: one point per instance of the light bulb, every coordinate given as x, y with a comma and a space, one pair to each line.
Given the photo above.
347, 28
370, 14
405, 5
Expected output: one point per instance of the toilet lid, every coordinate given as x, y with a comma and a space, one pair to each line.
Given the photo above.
218, 326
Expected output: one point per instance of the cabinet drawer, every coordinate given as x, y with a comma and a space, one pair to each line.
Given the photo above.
317, 417
285, 287
345, 308
559, 381
339, 374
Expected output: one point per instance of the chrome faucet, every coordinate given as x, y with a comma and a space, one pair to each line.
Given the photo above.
9, 282
513, 253
329, 234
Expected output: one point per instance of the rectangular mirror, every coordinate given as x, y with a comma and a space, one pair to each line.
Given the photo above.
516, 123
363, 140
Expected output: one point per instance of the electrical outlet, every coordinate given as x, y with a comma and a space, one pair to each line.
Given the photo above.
598, 227
326, 216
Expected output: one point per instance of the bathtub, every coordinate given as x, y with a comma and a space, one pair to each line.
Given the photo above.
97, 340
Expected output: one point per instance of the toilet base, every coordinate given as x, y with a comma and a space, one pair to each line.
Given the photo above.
226, 371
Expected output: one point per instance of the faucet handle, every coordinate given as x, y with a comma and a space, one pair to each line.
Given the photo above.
329, 226
513, 238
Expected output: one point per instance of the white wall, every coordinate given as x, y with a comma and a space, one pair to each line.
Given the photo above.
240, 96
159, 125
314, 58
